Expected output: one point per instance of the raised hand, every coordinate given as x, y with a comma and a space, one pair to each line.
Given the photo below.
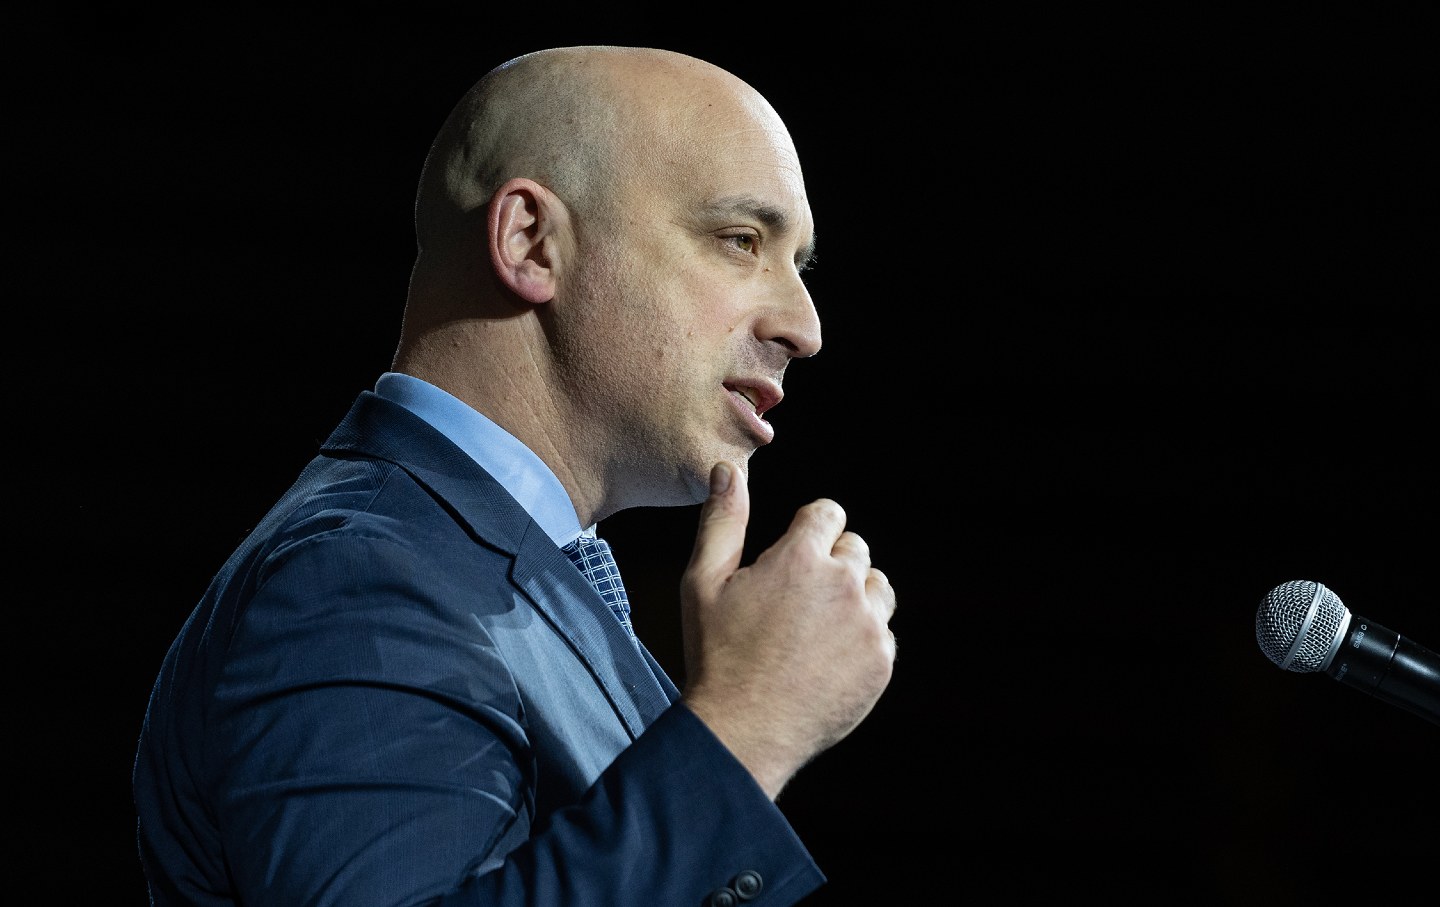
786, 656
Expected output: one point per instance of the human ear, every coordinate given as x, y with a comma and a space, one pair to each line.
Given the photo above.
523, 219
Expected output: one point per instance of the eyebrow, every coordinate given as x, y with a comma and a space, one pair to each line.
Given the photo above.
767, 214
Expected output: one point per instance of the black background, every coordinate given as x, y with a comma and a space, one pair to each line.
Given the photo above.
1128, 320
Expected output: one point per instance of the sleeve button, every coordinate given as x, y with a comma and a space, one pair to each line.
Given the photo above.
747, 884
722, 897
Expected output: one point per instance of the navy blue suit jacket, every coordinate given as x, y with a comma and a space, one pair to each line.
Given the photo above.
398, 690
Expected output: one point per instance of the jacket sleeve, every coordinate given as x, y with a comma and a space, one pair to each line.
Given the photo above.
367, 746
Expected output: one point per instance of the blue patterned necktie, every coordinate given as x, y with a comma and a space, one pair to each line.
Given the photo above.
593, 557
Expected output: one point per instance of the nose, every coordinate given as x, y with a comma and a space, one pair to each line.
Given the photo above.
792, 321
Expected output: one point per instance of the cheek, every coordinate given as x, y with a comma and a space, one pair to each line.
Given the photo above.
675, 308
699, 302
683, 313
646, 321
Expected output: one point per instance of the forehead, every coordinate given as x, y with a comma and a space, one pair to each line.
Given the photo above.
727, 158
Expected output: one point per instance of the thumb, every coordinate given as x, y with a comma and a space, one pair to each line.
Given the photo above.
720, 539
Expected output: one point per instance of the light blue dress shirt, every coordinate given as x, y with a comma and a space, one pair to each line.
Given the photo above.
515, 466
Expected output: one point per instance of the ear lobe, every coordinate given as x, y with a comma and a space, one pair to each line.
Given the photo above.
523, 217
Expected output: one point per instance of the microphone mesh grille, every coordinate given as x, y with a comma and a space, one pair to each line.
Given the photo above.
1281, 618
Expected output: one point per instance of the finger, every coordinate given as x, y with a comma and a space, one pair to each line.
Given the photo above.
852, 546
820, 522
878, 588
720, 538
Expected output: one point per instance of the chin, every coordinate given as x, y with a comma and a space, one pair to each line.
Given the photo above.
696, 476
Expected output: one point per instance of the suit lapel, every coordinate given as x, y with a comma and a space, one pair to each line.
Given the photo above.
633, 681
631, 678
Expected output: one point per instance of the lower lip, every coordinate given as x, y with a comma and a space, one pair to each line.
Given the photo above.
757, 427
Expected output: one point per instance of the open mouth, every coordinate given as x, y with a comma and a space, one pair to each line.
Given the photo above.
760, 398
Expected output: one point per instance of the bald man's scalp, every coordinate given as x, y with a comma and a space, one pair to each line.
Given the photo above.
572, 119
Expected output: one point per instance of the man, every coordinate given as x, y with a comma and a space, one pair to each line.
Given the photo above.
400, 689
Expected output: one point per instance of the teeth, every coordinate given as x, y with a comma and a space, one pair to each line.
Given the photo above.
744, 392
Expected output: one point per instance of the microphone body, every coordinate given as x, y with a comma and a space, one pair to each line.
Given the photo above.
1302, 626
1390, 667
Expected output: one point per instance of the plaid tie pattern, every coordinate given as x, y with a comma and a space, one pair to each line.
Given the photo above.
592, 556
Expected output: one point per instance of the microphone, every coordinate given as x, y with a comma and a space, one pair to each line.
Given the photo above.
1304, 627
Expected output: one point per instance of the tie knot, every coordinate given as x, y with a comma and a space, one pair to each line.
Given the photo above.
592, 556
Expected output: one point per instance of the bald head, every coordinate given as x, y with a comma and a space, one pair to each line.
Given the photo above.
611, 241
578, 120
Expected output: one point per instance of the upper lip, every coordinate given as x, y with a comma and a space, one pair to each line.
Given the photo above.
762, 394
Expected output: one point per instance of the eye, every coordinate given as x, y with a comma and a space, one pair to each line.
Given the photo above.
745, 243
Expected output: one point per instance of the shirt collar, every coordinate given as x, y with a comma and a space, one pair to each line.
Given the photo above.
515, 466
